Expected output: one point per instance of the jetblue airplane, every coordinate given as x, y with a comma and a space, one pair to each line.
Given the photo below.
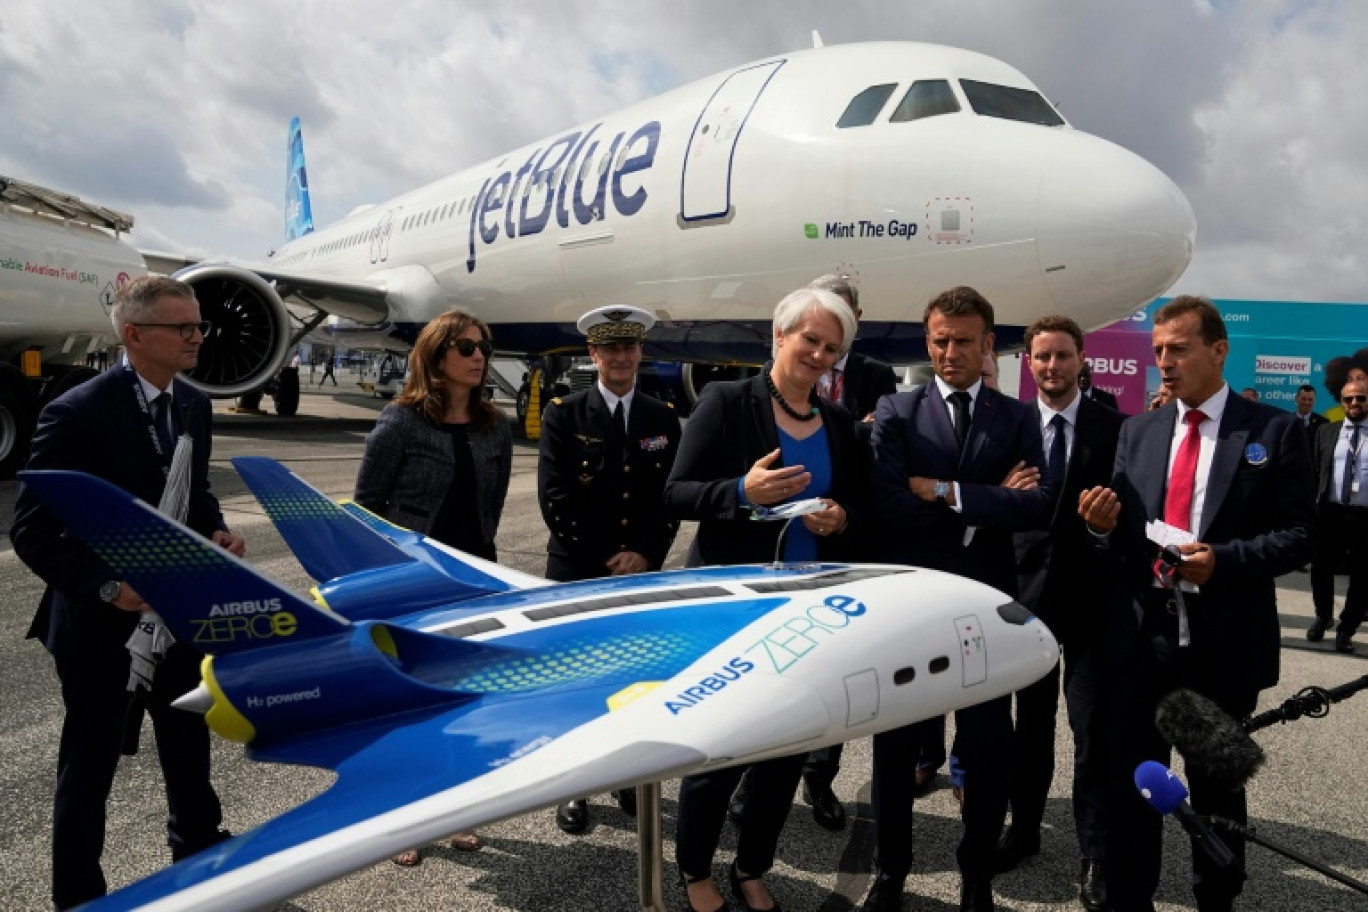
447, 692
912, 167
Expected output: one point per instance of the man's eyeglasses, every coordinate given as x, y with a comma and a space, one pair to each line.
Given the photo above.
466, 347
1354, 399
187, 330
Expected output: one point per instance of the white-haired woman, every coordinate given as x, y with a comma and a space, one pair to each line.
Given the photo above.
751, 443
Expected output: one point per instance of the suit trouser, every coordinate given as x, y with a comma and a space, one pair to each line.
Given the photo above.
703, 803
1033, 748
94, 679
1156, 666
1341, 536
821, 767
983, 745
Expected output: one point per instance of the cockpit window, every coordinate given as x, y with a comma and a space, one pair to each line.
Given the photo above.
1010, 103
863, 108
926, 98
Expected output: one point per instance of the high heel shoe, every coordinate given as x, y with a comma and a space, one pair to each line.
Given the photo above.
737, 880
685, 880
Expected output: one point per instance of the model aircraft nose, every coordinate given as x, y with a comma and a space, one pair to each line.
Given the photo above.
1114, 232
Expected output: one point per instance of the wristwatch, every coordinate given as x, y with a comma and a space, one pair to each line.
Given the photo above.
110, 590
942, 491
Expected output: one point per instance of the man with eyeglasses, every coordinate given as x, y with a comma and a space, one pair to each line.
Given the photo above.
140, 427
605, 454
1342, 505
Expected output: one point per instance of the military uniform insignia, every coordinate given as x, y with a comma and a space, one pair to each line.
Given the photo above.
587, 440
655, 444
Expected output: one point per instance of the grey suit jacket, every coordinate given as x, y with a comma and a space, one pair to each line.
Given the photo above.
407, 467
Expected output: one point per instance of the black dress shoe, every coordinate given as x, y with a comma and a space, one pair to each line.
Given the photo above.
626, 799
573, 816
737, 880
1092, 886
1316, 632
827, 810
924, 780
1012, 848
976, 896
885, 895
1344, 643
684, 882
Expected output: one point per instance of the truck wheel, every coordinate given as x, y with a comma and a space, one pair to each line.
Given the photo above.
16, 422
65, 381
287, 392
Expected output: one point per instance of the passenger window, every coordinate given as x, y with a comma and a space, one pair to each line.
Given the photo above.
863, 108
1010, 103
926, 98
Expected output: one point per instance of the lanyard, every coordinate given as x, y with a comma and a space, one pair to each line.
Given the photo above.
138, 393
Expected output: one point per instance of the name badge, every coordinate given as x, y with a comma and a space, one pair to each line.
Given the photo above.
1256, 454
654, 444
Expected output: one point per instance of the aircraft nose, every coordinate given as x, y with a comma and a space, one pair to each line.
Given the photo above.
1114, 231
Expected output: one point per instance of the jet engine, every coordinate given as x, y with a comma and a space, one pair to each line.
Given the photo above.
249, 334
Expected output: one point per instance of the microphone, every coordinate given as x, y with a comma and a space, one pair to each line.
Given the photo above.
1166, 793
1213, 744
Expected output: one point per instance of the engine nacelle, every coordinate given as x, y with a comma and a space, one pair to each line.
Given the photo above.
249, 335
681, 384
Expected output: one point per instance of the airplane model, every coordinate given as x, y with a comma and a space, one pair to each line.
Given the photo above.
448, 693
912, 167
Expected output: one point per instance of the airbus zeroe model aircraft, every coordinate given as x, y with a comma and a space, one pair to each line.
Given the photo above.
447, 692
912, 167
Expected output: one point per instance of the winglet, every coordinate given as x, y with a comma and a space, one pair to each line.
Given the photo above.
209, 598
298, 212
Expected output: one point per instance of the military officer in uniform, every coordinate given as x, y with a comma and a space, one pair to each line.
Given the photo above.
605, 454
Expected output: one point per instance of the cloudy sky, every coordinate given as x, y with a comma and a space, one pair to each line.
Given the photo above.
177, 111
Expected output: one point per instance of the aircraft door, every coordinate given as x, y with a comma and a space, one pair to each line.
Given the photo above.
973, 649
380, 235
705, 192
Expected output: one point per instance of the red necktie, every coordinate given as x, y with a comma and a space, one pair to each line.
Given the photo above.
1178, 501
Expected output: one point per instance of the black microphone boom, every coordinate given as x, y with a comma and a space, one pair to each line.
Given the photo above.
1214, 746
1312, 702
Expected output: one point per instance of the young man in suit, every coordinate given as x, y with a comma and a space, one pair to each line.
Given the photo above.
1306, 411
121, 426
941, 454
1061, 573
1342, 510
604, 455
1236, 476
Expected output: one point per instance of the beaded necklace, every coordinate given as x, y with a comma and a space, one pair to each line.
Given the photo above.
779, 398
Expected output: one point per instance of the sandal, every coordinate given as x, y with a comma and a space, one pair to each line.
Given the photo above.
463, 842
409, 858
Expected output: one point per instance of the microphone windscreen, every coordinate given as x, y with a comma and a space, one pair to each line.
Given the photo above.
1157, 784
1213, 744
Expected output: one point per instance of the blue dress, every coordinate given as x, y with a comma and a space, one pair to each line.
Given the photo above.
814, 454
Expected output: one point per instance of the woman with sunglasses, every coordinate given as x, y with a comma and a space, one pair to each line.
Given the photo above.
440, 456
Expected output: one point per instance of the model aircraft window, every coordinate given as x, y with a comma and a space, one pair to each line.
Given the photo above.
460, 631
938, 664
904, 676
1010, 103
625, 601
822, 580
926, 98
863, 108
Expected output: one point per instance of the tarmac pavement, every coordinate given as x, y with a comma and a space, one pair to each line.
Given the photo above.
1312, 794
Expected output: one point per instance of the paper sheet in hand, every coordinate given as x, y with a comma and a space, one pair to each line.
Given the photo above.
1166, 536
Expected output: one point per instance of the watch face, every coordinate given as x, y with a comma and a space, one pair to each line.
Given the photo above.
110, 591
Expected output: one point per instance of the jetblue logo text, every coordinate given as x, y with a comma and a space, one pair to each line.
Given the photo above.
554, 180
710, 685
785, 645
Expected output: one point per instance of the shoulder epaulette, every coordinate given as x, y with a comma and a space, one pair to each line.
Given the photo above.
557, 401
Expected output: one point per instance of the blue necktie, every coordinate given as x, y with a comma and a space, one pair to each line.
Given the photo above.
960, 402
160, 420
1057, 466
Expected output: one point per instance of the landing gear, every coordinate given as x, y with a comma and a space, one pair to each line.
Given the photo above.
287, 392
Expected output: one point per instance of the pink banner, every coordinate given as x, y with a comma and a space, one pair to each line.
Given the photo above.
1120, 362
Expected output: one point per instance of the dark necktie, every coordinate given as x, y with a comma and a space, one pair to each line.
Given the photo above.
1059, 452
161, 405
1182, 481
619, 426
960, 402
1350, 468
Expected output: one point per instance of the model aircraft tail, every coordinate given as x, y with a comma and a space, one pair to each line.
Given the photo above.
368, 568
298, 213
209, 598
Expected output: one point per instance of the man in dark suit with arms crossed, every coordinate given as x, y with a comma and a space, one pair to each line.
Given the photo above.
941, 453
1236, 474
1061, 574
1342, 510
118, 427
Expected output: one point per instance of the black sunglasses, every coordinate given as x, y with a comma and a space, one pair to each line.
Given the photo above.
466, 347
186, 330
1355, 399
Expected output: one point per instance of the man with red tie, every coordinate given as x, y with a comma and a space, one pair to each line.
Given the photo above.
1235, 475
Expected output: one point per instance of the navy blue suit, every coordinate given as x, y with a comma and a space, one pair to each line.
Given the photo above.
99, 428
1257, 516
914, 436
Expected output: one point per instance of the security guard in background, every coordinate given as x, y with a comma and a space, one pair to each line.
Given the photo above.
605, 454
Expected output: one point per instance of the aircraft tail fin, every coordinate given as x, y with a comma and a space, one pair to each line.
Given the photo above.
209, 598
329, 541
298, 213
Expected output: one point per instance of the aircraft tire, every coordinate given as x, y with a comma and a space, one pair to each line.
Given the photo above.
524, 398
16, 421
287, 392
250, 402
67, 380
